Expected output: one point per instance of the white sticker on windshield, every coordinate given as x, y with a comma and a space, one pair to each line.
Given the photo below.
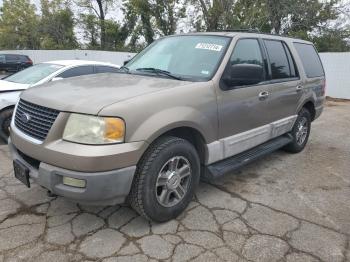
212, 47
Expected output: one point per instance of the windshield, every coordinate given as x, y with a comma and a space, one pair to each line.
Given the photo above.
33, 74
188, 57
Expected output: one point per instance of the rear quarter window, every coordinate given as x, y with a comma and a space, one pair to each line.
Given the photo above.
311, 61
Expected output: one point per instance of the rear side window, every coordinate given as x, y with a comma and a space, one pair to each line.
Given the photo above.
77, 71
310, 59
2, 59
12, 58
106, 69
279, 62
24, 58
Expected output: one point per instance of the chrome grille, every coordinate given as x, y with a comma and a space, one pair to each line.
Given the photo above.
34, 120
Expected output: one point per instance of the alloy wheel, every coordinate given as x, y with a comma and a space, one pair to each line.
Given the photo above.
173, 181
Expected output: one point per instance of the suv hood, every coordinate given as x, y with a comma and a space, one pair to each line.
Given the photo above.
90, 94
11, 86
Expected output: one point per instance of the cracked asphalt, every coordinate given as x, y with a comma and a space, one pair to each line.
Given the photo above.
282, 208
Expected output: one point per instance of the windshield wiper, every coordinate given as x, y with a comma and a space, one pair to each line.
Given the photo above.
159, 72
125, 69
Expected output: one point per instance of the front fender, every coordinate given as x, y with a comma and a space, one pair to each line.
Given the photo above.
161, 122
9, 99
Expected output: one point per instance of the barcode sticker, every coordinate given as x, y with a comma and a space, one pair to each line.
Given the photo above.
212, 47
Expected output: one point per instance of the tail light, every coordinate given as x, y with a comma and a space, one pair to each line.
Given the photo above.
29, 61
324, 85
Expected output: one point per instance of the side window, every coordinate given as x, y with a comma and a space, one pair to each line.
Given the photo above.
247, 51
246, 65
12, 58
24, 58
77, 71
106, 69
279, 62
310, 59
2, 59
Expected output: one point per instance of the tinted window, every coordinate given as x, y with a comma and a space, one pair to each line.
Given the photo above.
11, 58
247, 51
310, 59
278, 59
106, 69
77, 71
24, 58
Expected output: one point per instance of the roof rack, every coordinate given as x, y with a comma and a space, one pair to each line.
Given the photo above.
249, 30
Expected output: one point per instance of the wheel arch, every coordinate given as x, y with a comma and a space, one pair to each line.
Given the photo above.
7, 108
310, 106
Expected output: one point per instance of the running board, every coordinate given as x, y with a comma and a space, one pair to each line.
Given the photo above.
231, 164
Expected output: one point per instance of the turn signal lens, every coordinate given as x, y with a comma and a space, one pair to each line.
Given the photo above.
114, 128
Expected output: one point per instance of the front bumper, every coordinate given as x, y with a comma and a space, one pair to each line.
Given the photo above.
102, 188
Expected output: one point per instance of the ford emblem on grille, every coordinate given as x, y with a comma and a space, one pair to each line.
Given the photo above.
25, 118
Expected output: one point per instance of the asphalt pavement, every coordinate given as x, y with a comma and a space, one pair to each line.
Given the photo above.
285, 207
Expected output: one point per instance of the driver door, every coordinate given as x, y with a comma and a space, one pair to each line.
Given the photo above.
243, 114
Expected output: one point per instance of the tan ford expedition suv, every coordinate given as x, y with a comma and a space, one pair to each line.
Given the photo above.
187, 107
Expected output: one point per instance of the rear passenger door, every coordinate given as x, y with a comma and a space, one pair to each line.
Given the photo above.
285, 86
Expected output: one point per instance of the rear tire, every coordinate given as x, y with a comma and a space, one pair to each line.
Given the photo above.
165, 180
300, 132
5, 122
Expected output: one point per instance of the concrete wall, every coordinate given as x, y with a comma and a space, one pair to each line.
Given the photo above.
337, 65
47, 55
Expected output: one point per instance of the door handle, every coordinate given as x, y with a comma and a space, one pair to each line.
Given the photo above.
299, 88
263, 95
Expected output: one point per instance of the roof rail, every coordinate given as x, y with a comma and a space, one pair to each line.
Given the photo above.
249, 30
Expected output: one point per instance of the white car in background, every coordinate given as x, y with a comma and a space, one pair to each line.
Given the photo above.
13, 85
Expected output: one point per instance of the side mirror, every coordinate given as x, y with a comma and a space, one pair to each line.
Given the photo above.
126, 61
56, 79
244, 74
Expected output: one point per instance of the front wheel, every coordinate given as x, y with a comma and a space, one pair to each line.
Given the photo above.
300, 132
165, 180
5, 122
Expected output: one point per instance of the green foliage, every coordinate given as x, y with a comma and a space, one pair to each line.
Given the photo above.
57, 25
90, 27
19, 25
146, 20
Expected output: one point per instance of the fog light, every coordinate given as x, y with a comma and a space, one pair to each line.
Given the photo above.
70, 181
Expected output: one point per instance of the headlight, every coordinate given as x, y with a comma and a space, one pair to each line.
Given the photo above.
94, 130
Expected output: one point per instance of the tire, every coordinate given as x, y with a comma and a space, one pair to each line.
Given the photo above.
5, 121
300, 139
157, 177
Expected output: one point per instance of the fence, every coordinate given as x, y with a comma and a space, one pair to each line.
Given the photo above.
337, 65
39, 56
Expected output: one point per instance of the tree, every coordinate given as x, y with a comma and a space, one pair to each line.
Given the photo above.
19, 25
57, 25
213, 15
91, 34
149, 19
100, 9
